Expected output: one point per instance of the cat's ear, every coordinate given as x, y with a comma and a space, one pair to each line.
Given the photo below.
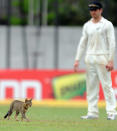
31, 99
26, 100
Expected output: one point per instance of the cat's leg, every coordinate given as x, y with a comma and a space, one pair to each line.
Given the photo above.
17, 113
24, 116
9, 114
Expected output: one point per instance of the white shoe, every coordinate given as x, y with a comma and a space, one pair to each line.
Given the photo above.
112, 117
89, 117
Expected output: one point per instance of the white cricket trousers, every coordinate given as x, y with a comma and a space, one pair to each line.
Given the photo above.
98, 73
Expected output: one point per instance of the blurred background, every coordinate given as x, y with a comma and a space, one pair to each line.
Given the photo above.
43, 35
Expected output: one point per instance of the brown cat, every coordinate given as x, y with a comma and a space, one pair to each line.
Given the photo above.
19, 107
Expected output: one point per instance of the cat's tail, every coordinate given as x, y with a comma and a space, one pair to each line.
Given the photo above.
9, 112
6, 116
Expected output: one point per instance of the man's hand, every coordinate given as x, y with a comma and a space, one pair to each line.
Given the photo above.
110, 66
76, 64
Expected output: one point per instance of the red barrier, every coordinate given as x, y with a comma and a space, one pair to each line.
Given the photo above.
46, 84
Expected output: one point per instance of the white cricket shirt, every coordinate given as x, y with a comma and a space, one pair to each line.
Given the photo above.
98, 40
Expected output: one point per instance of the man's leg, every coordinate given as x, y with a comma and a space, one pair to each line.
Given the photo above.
105, 78
92, 90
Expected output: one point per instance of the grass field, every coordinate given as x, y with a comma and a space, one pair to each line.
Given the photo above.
56, 119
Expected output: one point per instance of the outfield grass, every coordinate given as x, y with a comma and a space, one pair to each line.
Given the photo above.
56, 119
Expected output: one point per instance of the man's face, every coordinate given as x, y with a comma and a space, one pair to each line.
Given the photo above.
96, 13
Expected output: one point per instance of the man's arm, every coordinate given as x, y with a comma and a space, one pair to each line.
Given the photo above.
82, 44
111, 40
81, 48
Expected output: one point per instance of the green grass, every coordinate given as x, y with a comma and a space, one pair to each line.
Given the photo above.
56, 119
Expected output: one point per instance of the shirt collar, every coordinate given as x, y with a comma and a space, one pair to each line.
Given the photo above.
101, 21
